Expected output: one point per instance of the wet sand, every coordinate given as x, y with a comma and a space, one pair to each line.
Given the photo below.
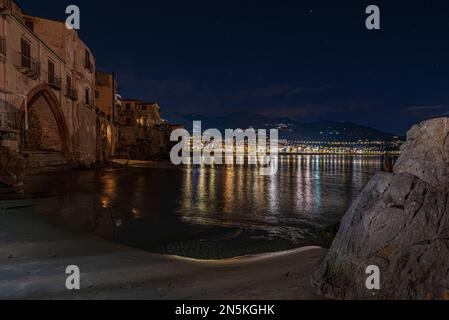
35, 254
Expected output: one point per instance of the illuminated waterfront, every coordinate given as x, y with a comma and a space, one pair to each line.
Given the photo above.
220, 209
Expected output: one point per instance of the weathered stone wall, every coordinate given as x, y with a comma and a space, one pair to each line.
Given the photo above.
85, 136
143, 143
400, 223
72, 128
145, 135
159, 142
11, 167
43, 133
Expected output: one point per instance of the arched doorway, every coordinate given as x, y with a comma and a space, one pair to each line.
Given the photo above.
106, 140
47, 129
109, 139
45, 142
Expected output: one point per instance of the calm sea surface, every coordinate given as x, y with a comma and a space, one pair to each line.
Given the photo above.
207, 212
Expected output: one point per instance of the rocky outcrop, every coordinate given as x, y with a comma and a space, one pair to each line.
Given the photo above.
400, 223
11, 167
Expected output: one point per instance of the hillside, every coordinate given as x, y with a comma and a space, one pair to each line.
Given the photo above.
288, 128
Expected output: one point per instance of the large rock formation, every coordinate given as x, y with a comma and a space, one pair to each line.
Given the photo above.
400, 223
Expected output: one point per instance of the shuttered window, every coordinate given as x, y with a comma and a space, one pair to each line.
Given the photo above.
26, 53
51, 72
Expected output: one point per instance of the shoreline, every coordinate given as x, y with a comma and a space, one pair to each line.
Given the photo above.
34, 255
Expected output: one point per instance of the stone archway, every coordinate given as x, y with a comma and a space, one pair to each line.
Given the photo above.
47, 128
104, 140
109, 139
102, 145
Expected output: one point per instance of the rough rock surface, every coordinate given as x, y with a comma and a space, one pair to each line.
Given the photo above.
400, 223
11, 167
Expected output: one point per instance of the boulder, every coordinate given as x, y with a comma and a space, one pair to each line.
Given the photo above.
425, 155
399, 223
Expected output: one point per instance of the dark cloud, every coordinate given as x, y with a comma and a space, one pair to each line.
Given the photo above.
427, 110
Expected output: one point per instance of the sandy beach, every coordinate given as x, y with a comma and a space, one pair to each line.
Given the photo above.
35, 254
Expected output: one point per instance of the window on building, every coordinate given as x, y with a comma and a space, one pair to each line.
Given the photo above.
144, 108
51, 72
87, 96
128, 121
87, 61
29, 24
25, 53
128, 107
69, 85
97, 94
3, 45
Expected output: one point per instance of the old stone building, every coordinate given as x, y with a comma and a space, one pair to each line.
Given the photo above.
143, 134
47, 86
107, 100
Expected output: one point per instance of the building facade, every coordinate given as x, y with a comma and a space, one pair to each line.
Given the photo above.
143, 134
56, 110
47, 88
107, 101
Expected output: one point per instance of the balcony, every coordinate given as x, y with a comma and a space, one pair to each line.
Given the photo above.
5, 4
72, 94
54, 82
28, 66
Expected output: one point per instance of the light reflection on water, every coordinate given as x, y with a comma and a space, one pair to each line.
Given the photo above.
148, 204
317, 189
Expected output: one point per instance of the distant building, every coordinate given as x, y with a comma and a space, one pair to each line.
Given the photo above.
143, 134
148, 114
107, 101
47, 86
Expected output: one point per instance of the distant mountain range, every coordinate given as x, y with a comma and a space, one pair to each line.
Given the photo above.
288, 128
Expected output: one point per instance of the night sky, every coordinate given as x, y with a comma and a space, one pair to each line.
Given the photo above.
308, 60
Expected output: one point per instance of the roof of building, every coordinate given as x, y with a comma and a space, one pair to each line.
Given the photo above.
104, 72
